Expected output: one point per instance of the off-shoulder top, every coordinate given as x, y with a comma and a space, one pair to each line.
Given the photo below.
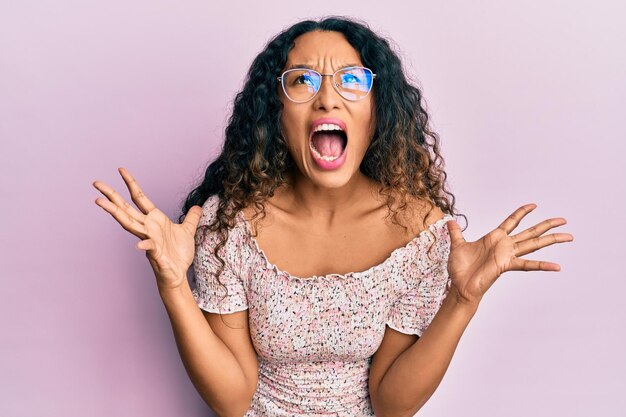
315, 336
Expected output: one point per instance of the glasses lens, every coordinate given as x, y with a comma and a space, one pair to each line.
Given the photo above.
354, 83
301, 84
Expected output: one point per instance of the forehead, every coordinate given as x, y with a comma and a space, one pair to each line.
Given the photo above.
319, 48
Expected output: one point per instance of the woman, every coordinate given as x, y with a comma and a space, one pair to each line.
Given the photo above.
330, 276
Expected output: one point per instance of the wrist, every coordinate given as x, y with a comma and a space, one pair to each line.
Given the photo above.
455, 300
173, 290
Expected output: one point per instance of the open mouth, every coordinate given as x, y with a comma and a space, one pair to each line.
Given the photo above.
328, 141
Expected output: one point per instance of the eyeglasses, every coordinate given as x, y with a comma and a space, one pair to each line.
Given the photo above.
302, 84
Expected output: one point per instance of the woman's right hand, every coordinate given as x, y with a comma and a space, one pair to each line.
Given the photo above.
170, 247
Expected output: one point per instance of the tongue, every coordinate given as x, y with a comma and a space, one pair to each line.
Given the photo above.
328, 144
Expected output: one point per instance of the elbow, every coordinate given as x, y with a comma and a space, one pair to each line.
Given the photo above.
233, 407
230, 413
395, 413
395, 408
231, 403
234, 410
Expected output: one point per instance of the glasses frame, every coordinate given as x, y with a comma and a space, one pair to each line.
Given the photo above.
336, 87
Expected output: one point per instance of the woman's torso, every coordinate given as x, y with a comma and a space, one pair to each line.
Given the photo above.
319, 301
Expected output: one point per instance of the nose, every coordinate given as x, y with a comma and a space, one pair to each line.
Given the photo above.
327, 98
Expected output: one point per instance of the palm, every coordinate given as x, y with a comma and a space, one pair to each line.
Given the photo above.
169, 247
474, 266
174, 245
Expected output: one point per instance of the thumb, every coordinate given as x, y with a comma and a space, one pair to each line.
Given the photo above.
456, 236
192, 218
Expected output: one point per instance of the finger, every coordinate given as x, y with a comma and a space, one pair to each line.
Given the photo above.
456, 236
531, 245
128, 222
136, 194
149, 247
118, 200
518, 264
146, 245
513, 220
538, 229
192, 218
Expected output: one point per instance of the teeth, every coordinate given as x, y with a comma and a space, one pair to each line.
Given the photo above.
327, 126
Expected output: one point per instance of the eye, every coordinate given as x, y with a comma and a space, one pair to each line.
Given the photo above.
349, 79
303, 79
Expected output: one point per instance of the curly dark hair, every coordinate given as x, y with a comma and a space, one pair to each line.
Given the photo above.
403, 157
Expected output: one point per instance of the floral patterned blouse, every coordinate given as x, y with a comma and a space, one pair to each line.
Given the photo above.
315, 336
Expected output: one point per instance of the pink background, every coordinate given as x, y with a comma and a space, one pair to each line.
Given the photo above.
525, 95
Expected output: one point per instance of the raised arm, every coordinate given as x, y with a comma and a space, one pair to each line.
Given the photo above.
406, 370
220, 360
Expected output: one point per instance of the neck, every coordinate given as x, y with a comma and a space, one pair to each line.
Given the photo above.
312, 200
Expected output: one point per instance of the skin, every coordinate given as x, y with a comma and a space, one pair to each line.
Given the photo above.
405, 370
336, 217
315, 191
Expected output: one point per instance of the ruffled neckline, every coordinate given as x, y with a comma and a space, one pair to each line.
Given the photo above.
398, 252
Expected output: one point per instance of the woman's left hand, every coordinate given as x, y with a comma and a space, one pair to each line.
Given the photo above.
474, 266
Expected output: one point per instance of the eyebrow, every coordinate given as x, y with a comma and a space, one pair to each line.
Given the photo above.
294, 66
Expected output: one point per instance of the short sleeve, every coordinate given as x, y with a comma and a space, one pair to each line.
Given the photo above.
413, 311
226, 297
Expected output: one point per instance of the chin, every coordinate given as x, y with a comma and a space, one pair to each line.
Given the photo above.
331, 179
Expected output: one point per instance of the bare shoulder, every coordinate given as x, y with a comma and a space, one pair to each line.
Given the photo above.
270, 215
419, 214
